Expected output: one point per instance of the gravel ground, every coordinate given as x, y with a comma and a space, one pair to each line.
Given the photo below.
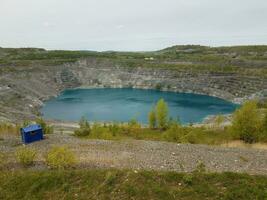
150, 155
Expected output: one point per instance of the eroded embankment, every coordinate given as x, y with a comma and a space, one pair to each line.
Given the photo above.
23, 89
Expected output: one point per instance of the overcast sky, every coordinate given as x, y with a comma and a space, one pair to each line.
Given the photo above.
131, 24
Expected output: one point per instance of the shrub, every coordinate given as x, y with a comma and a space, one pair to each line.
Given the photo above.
162, 114
152, 118
84, 129
84, 124
175, 133
82, 132
60, 158
188, 179
247, 122
46, 128
134, 127
114, 129
25, 156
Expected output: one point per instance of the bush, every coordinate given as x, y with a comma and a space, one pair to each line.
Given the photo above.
82, 132
84, 129
84, 124
114, 129
188, 179
134, 128
46, 128
175, 133
25, 156
60, 158
247, 122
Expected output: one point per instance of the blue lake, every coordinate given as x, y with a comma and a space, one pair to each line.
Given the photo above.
121, 105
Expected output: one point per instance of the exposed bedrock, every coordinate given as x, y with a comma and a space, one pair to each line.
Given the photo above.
22, 92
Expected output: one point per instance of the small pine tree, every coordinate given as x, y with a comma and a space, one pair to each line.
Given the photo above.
162, 114
152, 118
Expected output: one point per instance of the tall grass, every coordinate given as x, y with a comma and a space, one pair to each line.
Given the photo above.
114, 184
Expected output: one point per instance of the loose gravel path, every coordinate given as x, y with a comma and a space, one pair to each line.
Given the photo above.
151, 155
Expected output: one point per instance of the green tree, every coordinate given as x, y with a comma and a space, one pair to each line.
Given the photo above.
162, 114
247, 122
152, 118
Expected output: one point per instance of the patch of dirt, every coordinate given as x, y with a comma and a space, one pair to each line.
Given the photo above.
151, 155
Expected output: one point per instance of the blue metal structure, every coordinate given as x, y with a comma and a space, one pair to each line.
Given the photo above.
31, 133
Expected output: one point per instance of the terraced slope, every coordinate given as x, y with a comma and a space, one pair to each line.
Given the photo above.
30, 76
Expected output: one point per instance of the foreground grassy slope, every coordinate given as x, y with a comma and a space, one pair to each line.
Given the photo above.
113, 184
250, 60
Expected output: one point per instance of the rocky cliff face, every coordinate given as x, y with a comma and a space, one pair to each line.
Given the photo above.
22, 91
230, 86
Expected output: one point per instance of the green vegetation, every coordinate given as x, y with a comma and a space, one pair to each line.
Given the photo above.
8, 128
84, 128
60, 158
2, 160
114, 184
158, 117
152, 120
265, 123
248, 123
162, 114
25, 156
46, 128
14, 129
249, 60
174, 133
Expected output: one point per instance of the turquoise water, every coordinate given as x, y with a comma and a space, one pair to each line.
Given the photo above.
121, 105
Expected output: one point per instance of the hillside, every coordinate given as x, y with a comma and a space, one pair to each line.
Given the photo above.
30, 76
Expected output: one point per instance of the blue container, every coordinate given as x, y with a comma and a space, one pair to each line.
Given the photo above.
31, 133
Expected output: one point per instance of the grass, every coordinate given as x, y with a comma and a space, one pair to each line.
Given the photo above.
114, 184
9, 129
